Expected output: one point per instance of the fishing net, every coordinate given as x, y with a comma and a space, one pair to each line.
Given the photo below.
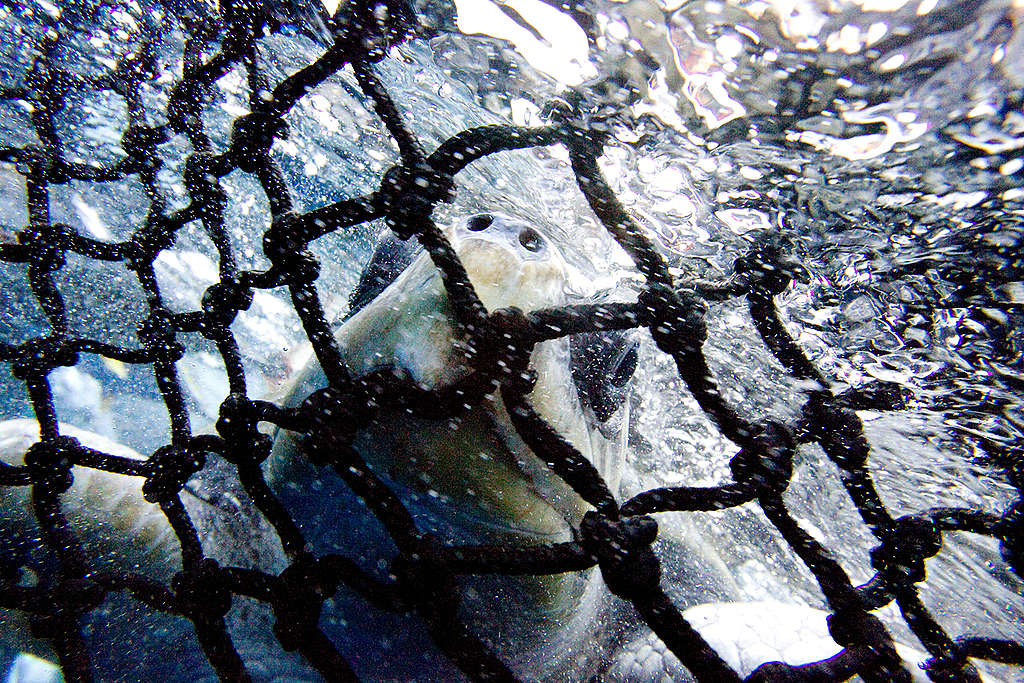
615, 537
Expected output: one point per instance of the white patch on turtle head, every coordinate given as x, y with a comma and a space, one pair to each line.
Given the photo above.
509, 262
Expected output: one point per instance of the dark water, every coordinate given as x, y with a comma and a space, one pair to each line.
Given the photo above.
880, 145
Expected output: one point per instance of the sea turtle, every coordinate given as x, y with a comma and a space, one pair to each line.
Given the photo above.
468, 479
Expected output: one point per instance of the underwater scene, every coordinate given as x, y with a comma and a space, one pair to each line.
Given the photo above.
511, 340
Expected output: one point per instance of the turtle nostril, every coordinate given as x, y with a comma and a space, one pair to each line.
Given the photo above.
531, 239
480, 222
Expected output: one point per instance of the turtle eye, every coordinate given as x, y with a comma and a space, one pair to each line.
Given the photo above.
531, 240
480, 222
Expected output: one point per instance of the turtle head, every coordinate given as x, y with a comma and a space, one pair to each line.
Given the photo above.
510, 262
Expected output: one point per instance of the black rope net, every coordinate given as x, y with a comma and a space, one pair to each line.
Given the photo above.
615, 537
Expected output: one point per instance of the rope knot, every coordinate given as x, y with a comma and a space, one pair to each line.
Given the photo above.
221, 303
511, 342
49, 463
157, 334
849, 627
168, 469
202, 590
69, 599
333, 417
675, 318
580, 130
251, 138
901, 557
622, 547
186, 100
48, 243
864, 632
766, 465
237, 426
764, 272
140, 143
367, 30
297, 601
39, 356
284, 246
426, 582
409, 195
203, 183
145, 244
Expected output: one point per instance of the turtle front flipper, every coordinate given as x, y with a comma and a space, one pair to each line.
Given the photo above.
121, 531
118, 529
107, 511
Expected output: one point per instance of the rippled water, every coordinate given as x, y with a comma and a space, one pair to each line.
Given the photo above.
880, 143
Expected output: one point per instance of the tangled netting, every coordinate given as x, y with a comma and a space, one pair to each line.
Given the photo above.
615, 537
